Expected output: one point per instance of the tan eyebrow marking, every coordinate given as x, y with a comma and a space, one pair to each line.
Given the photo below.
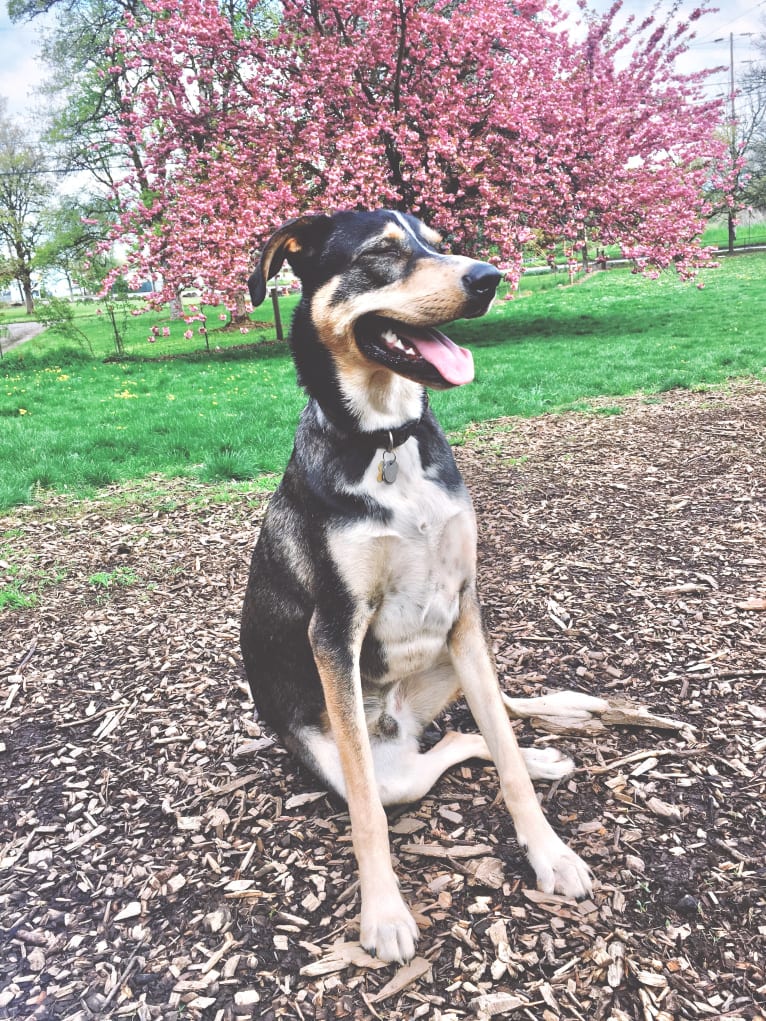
433, 237
392, 231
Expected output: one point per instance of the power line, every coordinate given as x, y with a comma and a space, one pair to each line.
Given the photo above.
63, 171
733, 21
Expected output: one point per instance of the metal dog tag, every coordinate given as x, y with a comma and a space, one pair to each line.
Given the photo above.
388, 470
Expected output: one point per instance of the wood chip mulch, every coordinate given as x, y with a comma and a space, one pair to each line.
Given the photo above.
162, 857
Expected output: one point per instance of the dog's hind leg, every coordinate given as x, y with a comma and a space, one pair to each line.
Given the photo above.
423, 696
402, 773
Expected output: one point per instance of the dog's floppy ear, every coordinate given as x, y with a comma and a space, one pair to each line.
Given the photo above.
294, 239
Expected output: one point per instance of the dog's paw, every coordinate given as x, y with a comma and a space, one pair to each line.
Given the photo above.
547, 763
388, 930
559, 869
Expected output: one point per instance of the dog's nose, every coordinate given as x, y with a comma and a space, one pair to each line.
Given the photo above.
481, 280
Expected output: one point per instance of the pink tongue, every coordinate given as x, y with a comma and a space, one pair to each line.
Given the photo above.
454, 363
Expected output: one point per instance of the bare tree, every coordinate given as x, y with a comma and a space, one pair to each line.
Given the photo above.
754, 92
25, 190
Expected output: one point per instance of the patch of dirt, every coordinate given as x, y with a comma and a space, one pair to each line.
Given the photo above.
231, 351
162, 857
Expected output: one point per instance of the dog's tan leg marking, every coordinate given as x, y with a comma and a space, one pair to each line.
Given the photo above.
387, 926
558, 869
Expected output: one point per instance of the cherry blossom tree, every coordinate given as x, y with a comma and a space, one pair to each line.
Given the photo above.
488, 119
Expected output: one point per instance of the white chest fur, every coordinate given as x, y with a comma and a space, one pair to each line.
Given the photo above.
411, 569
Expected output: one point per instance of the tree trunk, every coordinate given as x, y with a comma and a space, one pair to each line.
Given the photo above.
177, 307
25, 283
732, 232
240, 315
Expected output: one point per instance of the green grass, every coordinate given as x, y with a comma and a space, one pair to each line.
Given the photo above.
13, 597
613, 333
20, 586
73, 423
92, 319
120, 576
85, 424
750, 230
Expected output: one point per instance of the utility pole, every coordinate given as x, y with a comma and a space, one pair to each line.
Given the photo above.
731, 76
731, 224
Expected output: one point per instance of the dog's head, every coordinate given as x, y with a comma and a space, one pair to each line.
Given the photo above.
376, 287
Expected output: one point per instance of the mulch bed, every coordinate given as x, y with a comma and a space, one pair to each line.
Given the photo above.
162, 857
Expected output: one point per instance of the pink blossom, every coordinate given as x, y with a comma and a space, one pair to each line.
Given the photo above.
188, 334
493, 121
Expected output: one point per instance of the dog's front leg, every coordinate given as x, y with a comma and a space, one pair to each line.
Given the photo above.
387, 926
558, 869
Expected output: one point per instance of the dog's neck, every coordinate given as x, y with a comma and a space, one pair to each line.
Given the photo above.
380, 439
369, 406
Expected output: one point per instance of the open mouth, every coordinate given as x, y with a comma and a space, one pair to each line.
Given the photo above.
422, 353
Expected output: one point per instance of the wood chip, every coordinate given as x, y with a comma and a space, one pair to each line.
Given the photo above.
493, 1004
404, 977
125, 714
459, 851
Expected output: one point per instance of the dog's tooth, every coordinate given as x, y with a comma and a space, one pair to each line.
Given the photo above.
395, 343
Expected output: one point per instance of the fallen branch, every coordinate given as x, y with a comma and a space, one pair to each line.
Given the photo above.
647, 753
572, 712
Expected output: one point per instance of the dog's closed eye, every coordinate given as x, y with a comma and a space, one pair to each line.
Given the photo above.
385, 246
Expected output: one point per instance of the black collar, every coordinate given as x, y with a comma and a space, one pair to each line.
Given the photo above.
385, 439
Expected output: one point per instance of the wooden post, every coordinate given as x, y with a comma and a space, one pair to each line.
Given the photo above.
277, 317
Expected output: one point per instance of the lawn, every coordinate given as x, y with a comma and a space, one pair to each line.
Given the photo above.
73, 422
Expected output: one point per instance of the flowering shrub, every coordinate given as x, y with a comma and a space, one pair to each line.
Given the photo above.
485, 118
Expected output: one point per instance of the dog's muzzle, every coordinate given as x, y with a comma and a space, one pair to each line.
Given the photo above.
422, 352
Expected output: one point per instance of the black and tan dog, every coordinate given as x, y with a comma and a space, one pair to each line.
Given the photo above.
361, 619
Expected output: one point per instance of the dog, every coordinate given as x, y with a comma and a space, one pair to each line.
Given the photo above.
361, 618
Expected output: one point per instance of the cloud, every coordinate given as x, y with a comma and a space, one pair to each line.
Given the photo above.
710, 47
21, 71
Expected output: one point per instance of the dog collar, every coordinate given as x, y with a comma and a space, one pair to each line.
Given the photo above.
381, 439
389, 439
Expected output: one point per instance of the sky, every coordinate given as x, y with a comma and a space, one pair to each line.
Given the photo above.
743, 19
21, 71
